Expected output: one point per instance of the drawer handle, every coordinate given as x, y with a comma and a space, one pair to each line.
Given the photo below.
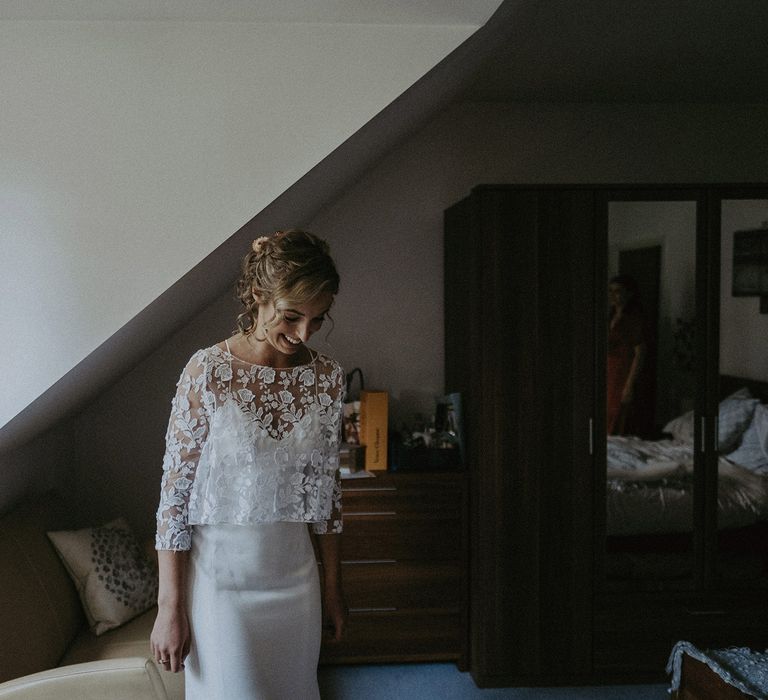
371, 512
369, 561
366, 610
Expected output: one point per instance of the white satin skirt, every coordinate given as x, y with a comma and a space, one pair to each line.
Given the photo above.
254, 611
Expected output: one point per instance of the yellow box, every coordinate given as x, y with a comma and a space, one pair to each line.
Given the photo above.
374, 418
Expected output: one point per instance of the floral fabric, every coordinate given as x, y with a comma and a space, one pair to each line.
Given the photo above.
744, 669
248, 443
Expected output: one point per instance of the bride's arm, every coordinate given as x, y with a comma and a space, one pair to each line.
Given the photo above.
170, 635
334, 607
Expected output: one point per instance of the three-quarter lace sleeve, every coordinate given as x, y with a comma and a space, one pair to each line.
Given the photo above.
184, 439
335, 389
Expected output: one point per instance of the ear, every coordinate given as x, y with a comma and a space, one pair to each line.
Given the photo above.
256, 297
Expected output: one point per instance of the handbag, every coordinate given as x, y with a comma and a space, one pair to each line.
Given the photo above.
351, 416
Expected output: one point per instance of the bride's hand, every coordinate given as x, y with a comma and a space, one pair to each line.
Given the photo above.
335, 613
169, 640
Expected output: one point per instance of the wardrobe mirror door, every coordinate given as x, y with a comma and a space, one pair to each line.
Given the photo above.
649, 386
742, 469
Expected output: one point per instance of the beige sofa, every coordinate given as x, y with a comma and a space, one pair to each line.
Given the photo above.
47, 647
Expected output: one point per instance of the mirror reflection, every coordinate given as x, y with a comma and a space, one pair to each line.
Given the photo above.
651, 307
742, 512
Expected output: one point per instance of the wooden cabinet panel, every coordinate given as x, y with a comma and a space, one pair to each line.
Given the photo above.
403, 585
634, 634
397, 636
404, 552
399, 536
405, 494
518, 263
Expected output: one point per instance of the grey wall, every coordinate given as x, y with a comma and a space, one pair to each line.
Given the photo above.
386, 233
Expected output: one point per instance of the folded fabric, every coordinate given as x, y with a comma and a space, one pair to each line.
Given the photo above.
752, 452
734, 416
744, 669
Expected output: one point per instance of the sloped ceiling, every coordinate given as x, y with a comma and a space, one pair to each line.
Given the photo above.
625, 51
135, 337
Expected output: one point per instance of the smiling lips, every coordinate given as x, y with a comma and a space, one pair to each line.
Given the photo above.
291, 340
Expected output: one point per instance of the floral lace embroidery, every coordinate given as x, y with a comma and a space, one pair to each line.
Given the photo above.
247, 443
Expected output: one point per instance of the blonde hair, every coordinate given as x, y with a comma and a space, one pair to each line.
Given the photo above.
288, 268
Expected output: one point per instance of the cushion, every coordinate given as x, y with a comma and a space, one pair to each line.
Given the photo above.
681, 428
113, 576
752, 452
734, 416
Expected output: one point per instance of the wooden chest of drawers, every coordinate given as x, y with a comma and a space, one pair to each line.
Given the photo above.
404, 553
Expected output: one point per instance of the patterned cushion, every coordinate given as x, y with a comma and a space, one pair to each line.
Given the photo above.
752, 452
113, 576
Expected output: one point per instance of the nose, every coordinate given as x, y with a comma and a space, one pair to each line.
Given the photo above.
304, 332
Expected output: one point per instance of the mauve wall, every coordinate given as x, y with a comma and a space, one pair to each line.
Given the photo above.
41, 465
386, 233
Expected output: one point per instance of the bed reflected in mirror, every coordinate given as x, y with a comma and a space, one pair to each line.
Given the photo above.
649, 381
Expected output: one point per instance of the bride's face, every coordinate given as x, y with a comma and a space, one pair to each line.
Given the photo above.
295, 325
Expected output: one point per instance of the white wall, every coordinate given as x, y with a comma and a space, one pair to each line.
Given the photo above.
672, 226
129, 150
386, 234
743, 329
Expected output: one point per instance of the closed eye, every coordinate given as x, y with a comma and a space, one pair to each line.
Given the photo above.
319, 319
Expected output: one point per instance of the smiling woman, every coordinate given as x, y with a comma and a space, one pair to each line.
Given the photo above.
251, 460
288, 284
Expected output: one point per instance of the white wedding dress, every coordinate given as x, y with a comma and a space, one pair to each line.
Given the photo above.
251, 458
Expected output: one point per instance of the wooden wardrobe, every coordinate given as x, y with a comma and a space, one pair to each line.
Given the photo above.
554, 598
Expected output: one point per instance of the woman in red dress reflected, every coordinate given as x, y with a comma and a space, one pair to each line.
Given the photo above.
627, 351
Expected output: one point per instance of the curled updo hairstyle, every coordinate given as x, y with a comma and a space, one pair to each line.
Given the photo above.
288, 268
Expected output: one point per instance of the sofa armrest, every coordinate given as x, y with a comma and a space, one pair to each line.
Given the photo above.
112, 679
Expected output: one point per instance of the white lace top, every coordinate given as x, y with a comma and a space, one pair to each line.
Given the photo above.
248, 443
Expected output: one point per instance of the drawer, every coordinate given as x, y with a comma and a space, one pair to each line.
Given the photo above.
398, 536
396, 636
440, 503
392, 585
637, 634
404, 494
